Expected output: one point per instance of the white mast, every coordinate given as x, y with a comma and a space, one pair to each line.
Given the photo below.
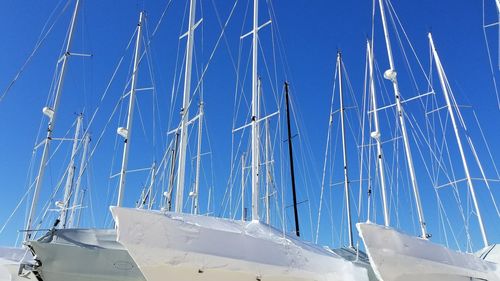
151, 185
51, 113
268, 175
444, 86
76, 197
71, 173
376, 136
344, 152
179, 198
127, 132
243, 187
255, 113
390, 74
198, 159
171, 178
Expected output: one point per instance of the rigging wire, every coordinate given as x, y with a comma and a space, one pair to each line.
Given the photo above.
488, 52
41, 39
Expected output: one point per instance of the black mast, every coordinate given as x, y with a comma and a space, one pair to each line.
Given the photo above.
290, 152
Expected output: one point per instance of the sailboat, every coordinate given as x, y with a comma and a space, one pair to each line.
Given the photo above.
194, 247
69, 253
398, 256
351, 250
17, 263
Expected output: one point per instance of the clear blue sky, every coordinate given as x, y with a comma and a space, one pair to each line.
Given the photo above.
311, 32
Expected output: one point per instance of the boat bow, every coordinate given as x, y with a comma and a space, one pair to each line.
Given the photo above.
395, 256
194, 247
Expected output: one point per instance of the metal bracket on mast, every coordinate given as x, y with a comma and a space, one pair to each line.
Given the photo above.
53, 139
130, 171
138, 90
403, 101
492, 24
258, 121
259, 28
194, 28
67, 54
188, 124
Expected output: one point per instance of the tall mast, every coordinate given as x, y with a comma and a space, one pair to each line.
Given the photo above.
391, 74
151, 185
243, 217
344, 152
68, 188
171, 177
268, 174
81, 203
76, 197
376, 135
127, 132
255, 117
51, 113
179, 198
290, 153
444, 86
198, 159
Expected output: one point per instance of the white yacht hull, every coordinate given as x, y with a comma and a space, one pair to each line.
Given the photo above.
10, 261
395, 256
182, 247
83, 255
